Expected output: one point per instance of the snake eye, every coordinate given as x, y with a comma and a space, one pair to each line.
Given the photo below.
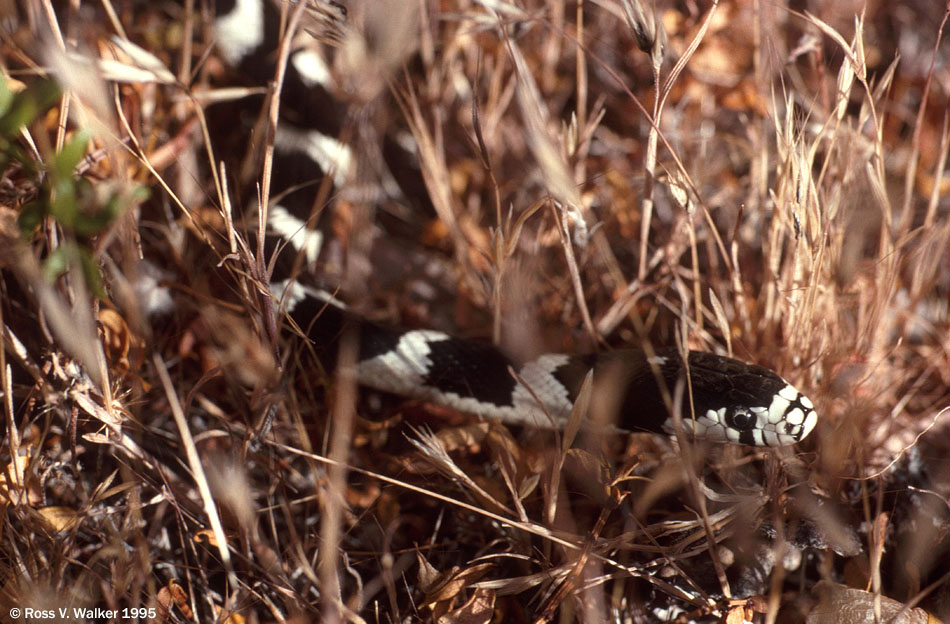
741, 419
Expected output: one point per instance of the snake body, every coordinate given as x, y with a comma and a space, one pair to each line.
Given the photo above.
720, 399
731, 402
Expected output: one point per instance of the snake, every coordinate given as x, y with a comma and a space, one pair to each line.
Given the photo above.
728, 401
718, 398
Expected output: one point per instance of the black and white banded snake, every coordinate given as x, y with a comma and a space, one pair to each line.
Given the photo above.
732, 401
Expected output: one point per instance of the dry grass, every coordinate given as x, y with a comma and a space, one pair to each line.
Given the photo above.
785, 204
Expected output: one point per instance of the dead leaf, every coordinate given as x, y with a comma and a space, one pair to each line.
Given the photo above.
839, 604
738, 615
206, 536
229, 618
16, 486
452, 583
477, 610
174, 595
116, 337
428, 575
60, 519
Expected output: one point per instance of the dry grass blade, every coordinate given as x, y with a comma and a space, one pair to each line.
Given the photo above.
854, 53
144, 67
579, 413
325, 21
197, 470
431, 448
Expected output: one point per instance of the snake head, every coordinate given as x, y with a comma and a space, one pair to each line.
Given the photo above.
745, 404
788, 418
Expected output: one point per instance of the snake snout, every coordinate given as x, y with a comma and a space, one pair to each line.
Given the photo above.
791, 417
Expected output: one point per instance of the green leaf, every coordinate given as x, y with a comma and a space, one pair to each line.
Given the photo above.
90, 272
67, 257
30, 217
11, 152
139, 195
24, 107
64, 163
91, 224
56, 264
6, 97
62, 203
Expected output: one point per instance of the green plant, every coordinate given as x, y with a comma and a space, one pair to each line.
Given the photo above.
81, 209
